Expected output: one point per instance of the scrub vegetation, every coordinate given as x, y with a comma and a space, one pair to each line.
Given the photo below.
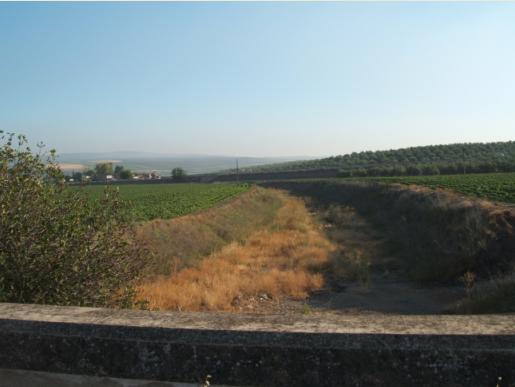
436, 237
441, 235
282, 260
182, 242
56, 245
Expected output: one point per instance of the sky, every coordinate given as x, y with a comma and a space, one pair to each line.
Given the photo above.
257, 79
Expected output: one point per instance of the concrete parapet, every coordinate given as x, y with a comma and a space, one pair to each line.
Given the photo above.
259, 350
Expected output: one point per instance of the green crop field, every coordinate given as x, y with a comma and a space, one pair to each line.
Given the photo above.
493, 186
164, 201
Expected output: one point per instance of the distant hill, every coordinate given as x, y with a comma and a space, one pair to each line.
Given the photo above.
433, 159
164, 163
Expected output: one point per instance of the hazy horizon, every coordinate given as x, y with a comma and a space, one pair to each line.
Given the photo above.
134, 154
257, 79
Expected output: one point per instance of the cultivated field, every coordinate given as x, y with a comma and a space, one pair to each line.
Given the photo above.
165, 201
494, 186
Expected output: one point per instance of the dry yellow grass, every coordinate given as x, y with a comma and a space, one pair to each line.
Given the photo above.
281, 261
182, 242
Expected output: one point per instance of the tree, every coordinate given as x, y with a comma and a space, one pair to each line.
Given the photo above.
413, 170
399, 170
103, 169
58, 246
125, 174
77, 176
117, 171
430, 169
359, 172
344, 173
121, 173
178, 174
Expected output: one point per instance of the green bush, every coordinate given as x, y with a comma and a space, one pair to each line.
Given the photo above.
56, 245
178, 174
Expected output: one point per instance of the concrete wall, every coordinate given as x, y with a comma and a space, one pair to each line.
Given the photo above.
304, 350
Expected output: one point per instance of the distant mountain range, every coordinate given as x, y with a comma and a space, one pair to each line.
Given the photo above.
164, 163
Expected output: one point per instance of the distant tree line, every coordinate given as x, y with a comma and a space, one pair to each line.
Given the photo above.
424, 160
103, 171
431, 169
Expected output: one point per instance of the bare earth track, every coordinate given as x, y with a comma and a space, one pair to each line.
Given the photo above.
361, 280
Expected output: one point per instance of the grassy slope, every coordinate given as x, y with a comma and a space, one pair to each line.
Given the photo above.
181, 242
280, 260
440, 234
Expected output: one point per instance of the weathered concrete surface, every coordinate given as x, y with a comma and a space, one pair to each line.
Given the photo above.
24, 378
333, 350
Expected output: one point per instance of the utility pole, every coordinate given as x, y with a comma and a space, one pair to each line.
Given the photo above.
237, 171
464, 166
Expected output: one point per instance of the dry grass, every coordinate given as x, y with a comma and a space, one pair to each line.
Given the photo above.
182, 242
437, 235
281, 261
361, 248
494, 296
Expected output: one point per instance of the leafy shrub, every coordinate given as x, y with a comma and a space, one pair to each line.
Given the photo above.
56, 245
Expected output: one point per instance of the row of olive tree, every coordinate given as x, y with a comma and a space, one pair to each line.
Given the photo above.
431, 169
56, 245
484, 157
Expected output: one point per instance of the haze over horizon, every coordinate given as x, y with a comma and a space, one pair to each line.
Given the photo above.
257, 79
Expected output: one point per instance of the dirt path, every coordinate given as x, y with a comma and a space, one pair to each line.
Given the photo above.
364, 278
386, 294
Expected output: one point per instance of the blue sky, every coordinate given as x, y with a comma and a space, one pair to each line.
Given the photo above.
261, 79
